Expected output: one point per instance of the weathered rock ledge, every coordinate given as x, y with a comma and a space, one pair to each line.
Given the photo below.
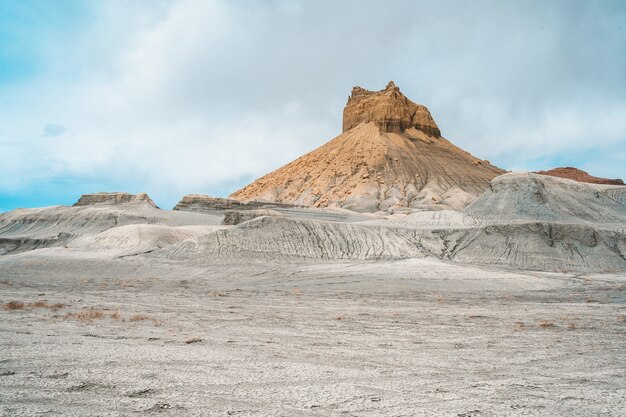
389, 109
206, 204
113, 198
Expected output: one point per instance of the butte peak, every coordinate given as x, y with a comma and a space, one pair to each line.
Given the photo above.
390, 156
389, 109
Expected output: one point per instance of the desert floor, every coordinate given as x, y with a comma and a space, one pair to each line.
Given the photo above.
403, 338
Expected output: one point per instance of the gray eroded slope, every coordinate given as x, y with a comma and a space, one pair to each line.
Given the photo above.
524, 221
523, 197
27, 229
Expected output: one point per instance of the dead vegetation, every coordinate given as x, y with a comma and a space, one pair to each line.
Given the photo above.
14, 305
138, 317
18, 305
43, 304
87, 315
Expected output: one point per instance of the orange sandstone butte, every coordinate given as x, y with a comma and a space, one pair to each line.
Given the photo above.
390, 156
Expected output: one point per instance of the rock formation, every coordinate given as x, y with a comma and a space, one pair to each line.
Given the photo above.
113, 198
579, 175
390, 156
388, 109
206, 204
233, 217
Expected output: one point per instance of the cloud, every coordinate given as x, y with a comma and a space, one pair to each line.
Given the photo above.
51, 129
174, 97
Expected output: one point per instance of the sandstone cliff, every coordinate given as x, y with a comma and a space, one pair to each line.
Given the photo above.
390, 156
388, 109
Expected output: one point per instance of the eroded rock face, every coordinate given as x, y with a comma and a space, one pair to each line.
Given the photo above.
113, 198
206, 204
579, 175
233, 217
389, 109
390, 157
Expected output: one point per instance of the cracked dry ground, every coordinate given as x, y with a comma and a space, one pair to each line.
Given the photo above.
335, 341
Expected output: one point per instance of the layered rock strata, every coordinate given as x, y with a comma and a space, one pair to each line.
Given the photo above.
113, 198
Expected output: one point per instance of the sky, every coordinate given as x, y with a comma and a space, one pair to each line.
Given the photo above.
204, 96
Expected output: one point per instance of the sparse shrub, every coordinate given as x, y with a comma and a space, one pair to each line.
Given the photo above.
14, 305
138, 317
193, 339
43, 304
39, 304
545, 323
86, 315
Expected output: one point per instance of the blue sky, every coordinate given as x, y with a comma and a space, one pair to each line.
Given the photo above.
191, 96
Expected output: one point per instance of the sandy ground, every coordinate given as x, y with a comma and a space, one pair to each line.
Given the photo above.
402, 338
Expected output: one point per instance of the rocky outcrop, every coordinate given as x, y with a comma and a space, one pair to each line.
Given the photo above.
389, 109
232, 217
579, 175
206, 204
528, 197
389, 157
113, 198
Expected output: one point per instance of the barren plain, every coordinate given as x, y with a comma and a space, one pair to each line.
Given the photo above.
416, 337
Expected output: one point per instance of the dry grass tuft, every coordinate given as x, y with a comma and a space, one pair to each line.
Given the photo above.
621, 318
43, 304
86, 315
116, 315
138, 317
572, 326
339, 318
157, 323
39, 304
519, 326
545, 323
193, 339
14, 305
